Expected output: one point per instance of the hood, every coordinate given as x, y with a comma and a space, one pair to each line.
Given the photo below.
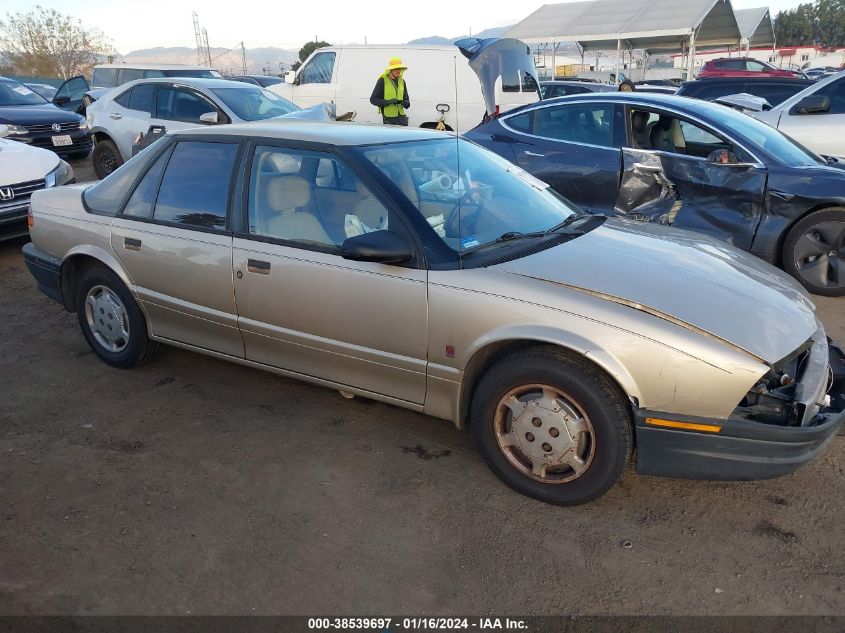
498, 57
36, 115
20, 162
698, 282
320, 112
744, 102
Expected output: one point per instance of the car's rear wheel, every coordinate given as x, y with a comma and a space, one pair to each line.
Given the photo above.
552, 426
814, 252
111, 320
106, 158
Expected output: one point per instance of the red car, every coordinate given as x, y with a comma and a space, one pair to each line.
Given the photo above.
742, 67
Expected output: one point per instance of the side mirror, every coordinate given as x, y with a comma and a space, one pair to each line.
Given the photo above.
814, 104
209, 118
384, 247
60, 101
4, 131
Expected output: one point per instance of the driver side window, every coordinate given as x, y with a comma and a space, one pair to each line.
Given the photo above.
318, 70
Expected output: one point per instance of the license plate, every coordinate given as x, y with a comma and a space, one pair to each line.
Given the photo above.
64, 139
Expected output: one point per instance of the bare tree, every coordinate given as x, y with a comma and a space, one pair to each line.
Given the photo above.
46, 42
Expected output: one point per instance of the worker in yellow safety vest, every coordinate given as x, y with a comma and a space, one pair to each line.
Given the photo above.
390, 95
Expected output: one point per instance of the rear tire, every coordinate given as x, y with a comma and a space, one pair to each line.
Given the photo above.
111, 320
106, 158
552, 426
814, 252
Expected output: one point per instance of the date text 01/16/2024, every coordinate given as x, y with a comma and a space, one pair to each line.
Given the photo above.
387, 625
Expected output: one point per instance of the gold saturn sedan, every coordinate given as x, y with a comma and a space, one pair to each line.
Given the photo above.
418, 269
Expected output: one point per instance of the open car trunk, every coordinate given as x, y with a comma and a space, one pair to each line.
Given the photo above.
506, 70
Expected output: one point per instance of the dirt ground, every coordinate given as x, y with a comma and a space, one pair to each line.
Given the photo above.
194, 486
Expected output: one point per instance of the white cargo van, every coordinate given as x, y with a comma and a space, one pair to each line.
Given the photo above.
436, 76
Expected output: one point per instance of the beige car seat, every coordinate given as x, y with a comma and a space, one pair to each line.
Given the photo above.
285, 197
369, 210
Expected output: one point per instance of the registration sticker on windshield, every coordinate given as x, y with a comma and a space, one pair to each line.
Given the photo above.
22, 90
469, 242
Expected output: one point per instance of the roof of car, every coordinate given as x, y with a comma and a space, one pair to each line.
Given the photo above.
195, 82
331, 133
156, 66
751, 80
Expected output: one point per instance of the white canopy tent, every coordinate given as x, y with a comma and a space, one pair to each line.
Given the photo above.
651, 25
755, 27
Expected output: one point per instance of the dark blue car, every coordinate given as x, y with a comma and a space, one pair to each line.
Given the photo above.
34, 120
691, 164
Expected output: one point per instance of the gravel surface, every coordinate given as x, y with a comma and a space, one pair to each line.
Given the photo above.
191, 485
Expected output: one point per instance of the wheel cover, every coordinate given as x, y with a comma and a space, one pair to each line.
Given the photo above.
544, 433
107, 319
819, 255
108, 161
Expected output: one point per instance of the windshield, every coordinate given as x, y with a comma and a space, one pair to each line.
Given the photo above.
15, 94
254, 103
780, 146
469, 196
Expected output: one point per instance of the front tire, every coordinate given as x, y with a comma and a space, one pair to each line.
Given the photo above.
814, 252
552, 426
106, 158
111, 320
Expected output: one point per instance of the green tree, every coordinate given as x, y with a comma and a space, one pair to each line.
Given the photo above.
309, 48
822, 22
46, 42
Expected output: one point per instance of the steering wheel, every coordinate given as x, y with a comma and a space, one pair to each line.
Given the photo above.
451, 224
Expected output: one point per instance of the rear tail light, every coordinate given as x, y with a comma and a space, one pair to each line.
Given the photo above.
30, 219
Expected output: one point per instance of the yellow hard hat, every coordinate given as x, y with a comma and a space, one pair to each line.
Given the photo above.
395, 63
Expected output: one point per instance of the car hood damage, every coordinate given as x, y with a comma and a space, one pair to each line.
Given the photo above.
694, 281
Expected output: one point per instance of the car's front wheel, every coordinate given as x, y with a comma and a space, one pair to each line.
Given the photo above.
814, 252
111, 320
552, 426
106, 158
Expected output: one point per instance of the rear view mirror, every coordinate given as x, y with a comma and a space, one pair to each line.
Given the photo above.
209, 118
814, 104
384, 247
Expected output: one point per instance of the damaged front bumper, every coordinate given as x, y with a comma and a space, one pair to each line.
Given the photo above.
742, 449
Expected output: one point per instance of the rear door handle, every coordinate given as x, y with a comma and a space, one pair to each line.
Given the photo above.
649, 169
528, 153
131, 244
115, 115
258, 267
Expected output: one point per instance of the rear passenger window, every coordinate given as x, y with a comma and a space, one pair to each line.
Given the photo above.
520, 122
589, 124
105, 197
141, 98
140, 205
195, 187
130, 74
123, 99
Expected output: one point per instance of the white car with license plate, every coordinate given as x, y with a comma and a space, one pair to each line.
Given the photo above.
25, 169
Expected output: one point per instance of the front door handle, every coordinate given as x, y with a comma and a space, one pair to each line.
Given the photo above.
131, 244
258, 267
115, 115
528, 153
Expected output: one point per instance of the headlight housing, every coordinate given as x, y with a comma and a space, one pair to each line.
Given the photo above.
17, 130
61, 175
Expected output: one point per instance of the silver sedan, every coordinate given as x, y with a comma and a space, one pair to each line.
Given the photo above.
421, 270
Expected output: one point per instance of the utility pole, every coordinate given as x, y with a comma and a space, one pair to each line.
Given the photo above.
243, 55
198, 38
207, 48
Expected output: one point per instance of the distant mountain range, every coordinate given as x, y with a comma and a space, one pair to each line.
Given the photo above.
230, 62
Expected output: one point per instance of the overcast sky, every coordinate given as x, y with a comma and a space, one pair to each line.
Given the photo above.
291, 23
